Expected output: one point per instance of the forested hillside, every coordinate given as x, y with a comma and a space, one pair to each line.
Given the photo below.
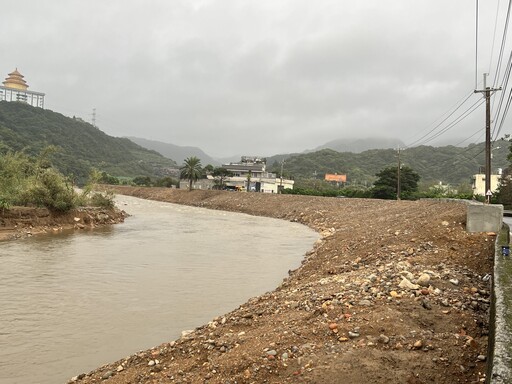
81, 146
176, 152
449, 164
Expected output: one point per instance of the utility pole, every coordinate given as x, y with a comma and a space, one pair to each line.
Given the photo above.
398, 177
487, 95
94, 117
281, 186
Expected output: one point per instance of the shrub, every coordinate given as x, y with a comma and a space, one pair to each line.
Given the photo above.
103, 200
50, 190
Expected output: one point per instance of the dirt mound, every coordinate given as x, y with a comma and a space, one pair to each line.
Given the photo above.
394, 292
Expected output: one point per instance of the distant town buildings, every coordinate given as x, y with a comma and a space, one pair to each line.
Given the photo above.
249, 174
15, 88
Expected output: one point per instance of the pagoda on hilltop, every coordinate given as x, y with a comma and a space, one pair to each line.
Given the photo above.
15, 88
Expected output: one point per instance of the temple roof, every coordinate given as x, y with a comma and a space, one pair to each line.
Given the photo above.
15, 80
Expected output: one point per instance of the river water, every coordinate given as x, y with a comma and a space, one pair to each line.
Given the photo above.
74, 301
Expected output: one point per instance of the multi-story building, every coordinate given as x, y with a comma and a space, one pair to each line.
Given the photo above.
15, 88
251, 174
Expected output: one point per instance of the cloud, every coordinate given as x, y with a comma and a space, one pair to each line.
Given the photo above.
255, 77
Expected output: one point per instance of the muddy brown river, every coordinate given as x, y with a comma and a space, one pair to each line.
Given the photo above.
74, 301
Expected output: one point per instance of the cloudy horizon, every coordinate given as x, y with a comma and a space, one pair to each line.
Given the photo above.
255, 77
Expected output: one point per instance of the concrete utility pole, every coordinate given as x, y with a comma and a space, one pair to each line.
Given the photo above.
487, 94
398, 177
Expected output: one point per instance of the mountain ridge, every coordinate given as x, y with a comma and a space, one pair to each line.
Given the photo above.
81, 146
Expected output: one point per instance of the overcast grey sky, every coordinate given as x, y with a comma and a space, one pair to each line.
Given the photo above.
255, 77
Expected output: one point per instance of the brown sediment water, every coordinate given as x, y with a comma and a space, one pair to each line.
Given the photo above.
71, 302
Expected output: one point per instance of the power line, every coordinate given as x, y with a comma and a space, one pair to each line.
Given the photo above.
457, 106
500, 103
460, 118
467, 138
502, 48
426, 138
476, 45
504, 115
494, 35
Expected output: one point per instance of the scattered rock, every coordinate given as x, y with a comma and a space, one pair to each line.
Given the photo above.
418, 344
406, 284
423, 280
383, 339
107, 375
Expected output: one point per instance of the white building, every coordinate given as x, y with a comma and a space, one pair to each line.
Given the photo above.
478, 183
251, 174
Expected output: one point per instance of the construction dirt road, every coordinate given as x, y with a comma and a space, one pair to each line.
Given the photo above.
394, 292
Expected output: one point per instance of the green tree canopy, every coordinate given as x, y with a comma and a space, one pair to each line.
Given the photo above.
504, 193
191, 170
208, 169
220, 174
385, 187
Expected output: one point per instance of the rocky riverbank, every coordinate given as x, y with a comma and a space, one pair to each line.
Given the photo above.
22, 222
394, 292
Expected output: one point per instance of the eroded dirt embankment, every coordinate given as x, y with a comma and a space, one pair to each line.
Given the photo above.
395, 292
21, 222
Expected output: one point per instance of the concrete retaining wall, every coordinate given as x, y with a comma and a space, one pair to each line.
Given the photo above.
484, 217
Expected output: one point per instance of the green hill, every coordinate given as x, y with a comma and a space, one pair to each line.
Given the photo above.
81, 145
175, 152
449, 164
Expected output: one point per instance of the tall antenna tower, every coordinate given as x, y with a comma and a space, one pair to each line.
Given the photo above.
94, 117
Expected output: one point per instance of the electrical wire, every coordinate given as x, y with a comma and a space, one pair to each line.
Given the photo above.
458, 105
503, 43
494, 35
496, 131
505, 112
460, 118
479, 131
476, 45
427, 138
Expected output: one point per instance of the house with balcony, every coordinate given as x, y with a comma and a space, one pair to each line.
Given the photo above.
250, 174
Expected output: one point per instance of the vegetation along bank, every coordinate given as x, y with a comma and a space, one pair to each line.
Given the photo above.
394, 292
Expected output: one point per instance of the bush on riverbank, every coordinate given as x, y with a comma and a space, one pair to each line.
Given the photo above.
32, 181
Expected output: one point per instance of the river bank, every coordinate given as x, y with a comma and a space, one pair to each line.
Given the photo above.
394, 292
21, 222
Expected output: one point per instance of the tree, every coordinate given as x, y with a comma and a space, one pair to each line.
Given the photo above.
220, 174
191, 170
166, 182
142, 181
504, 193
249, 176
208, 169
385, 187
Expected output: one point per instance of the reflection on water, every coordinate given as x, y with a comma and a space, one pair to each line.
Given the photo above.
71, 302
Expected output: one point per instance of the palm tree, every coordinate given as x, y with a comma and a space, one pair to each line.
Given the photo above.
191, 170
